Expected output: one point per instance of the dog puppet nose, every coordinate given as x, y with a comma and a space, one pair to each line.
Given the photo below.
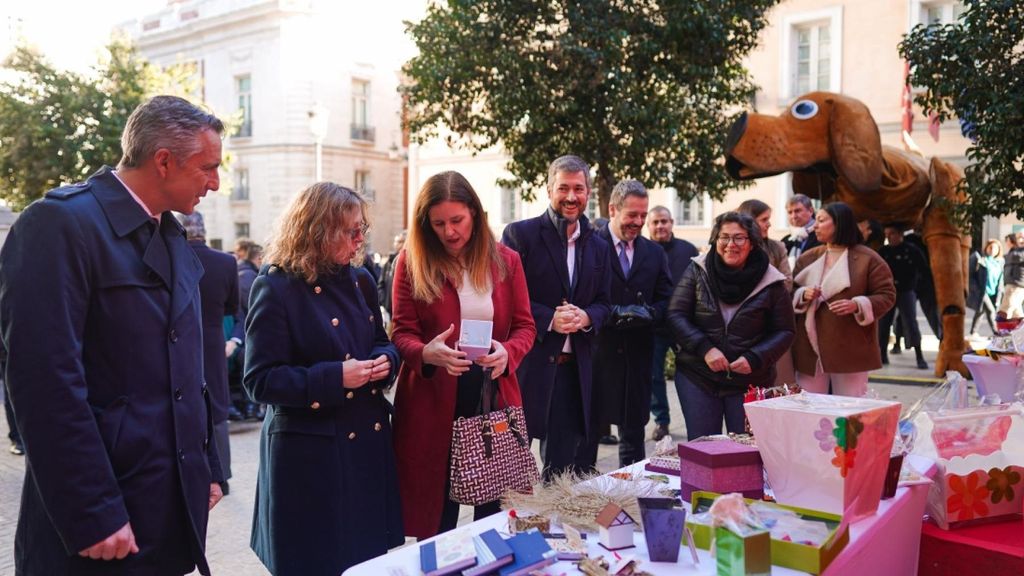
735, 133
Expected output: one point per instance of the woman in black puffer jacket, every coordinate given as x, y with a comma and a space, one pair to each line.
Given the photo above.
732, 319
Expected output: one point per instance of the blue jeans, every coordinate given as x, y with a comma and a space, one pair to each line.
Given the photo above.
659, 394
704, 412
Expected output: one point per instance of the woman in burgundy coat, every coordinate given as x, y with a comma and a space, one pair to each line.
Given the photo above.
451, 269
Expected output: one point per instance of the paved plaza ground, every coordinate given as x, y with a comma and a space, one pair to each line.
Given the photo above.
231, 520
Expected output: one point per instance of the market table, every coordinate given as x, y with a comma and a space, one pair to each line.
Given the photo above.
885, 544
995, 548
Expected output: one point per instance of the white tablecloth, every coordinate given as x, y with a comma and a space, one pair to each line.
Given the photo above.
885, 544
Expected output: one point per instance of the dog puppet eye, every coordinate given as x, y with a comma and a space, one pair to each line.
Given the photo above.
804, 109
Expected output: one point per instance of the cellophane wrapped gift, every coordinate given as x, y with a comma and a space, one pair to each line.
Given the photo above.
979, 452
826, 452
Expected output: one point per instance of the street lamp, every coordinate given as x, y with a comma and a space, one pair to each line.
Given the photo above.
318, 126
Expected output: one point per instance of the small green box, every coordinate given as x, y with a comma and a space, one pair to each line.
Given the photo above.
789, 554
748, 555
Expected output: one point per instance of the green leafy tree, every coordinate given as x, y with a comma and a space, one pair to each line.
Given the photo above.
974, 69
58, 127
644, 89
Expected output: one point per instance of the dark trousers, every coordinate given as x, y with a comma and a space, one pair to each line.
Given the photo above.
988, 308
659, 390
631, 445
467, 403
906, 305
564, 448
704, 412
12, 425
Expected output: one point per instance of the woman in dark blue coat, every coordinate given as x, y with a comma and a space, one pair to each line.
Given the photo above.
318, 356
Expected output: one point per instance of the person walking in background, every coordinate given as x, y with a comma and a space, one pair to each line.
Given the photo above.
905, 262
842, 289
1013, 280
452, 270
218, 292
801, 220
17, 447
100, 315
987, 285
640, 288
680, 255
385, 285
567, 274
316, 353
732, 318
250, 257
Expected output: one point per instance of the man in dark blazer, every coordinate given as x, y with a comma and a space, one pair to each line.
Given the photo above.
640, 290
250, 258
99, 309
218, 292
680, 254
567, 274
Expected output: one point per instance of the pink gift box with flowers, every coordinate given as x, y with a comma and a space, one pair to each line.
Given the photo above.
980, 456
721, 466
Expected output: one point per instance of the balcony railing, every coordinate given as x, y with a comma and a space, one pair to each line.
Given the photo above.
363, 133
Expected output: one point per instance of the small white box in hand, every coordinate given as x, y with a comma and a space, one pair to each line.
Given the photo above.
475, 338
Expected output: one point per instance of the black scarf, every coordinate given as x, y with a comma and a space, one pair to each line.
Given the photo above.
733, 285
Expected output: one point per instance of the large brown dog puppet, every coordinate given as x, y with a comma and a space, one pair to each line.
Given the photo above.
831, 144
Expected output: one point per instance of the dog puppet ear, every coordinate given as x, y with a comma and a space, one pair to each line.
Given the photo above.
856, 144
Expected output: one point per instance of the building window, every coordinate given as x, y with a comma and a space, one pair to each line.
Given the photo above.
216, 244
811, 52
363, 185
362, 128
240, 190
511, 206
241, 229
243, 87
813, 58
691, 212
940, 12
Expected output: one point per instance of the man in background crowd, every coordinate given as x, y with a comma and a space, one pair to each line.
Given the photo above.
906, 263
680, 254
801, 220
250, 257
218, 291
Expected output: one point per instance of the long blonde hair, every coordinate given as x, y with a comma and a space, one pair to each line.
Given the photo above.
428, 262
311, 228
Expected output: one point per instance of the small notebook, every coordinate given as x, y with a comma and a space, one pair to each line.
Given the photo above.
449, 553
531, 551
492, 552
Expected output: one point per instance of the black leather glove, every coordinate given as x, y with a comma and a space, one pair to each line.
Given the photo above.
631, 316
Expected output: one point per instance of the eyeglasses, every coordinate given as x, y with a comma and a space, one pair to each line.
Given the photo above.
356, 232
737, 240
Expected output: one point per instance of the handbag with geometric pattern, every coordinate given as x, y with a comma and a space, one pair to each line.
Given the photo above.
491, 453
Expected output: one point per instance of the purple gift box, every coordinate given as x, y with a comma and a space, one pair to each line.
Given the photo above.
721, 466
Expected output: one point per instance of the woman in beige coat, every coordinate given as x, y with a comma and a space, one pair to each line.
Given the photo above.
842, 289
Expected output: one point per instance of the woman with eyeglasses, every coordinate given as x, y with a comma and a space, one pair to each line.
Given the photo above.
452, 269
732, 320
318, 357
842, 289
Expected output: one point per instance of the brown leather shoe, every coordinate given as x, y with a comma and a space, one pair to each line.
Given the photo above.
660, 431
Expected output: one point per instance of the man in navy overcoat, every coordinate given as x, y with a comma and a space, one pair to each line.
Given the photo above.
567, 274
99, 309
640, 290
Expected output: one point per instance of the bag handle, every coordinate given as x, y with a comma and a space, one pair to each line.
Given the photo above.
489, 389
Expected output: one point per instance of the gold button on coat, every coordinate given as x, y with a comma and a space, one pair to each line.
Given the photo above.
351, 435
350, 395
377, 426
335, 322
315, 405
317, 289
373, 391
